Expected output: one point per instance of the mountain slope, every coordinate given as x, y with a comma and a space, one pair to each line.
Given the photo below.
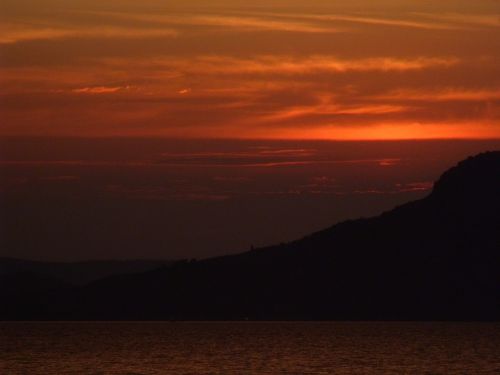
436, 258
77, 273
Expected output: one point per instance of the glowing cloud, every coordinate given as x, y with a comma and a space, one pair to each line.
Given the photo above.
14, 33
97, 90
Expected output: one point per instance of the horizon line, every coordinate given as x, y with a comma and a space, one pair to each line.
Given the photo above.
250, 139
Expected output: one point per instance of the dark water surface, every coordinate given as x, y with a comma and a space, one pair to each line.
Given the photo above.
249, 348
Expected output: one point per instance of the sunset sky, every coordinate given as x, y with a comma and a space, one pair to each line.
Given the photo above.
263, 69
190, 128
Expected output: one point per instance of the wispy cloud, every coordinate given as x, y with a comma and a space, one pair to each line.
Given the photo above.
286, 64
248, 158
244, 159
323, 109
415, 186
98, 90
18, 32
370, 20
246, 22
416, 20
162, 193
388, 22
257, 23
447, 94
490, 20
304, 65
371, 109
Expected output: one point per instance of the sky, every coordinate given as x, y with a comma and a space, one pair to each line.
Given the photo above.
158, 129
265, 69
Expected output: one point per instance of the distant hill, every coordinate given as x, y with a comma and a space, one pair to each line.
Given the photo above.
433, 259
77, 273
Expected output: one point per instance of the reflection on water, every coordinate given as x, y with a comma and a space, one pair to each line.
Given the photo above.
249, 348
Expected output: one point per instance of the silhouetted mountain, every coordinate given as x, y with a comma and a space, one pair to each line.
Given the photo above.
435, 258
77, 273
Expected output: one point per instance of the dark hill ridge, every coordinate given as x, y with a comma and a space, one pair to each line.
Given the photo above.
76, 273
433, 259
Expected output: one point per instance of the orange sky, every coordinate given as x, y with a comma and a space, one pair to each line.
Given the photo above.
273, 69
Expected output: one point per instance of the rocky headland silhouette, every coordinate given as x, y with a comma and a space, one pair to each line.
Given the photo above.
436, 258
